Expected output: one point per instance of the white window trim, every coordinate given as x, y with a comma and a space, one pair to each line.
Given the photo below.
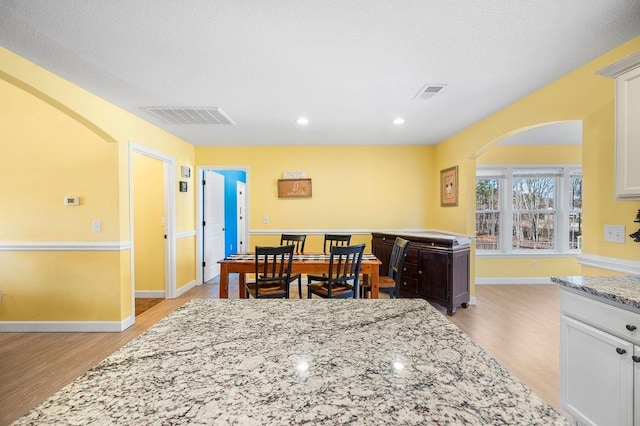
562, 208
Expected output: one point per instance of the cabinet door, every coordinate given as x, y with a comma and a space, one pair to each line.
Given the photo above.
636, 381
596, 380
628, 135
434, 275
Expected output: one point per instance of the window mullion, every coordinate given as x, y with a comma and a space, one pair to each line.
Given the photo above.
562, 212
507, 209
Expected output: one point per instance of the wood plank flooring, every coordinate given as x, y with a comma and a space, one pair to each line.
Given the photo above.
519, 325
516, 324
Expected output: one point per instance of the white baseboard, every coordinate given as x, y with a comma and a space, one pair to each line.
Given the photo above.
150, 294
514, 280
66, 326
185, 288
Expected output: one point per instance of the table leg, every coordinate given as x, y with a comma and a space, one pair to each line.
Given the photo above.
242, 279
375, 283
224, 281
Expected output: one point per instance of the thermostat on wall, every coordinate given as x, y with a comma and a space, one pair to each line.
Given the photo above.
71, 200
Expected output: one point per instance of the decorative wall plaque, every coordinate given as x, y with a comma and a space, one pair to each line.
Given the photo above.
294, 188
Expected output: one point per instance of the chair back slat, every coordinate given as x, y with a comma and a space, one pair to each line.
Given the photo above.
273, 265
333, 240
297, 240
344, 267
398, 254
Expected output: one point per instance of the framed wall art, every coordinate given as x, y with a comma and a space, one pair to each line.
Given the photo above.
294, 188
449, 187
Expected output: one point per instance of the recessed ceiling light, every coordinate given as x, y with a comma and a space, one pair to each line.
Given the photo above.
302, 121
398, 121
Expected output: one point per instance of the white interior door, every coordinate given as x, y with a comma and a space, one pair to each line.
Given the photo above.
213, 226
242, 217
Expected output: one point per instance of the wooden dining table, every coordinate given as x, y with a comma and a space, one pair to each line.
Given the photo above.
311, 263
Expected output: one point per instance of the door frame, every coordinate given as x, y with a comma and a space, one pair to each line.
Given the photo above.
200, 212
170, 219
244, 220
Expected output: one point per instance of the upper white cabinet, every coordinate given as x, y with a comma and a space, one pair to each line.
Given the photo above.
627, 168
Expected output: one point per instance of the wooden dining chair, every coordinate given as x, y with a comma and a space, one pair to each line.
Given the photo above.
330, 240
272, 273
390, 283
343, 274
297, 240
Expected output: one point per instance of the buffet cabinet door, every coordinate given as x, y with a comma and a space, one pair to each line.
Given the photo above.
434, 275
596, 380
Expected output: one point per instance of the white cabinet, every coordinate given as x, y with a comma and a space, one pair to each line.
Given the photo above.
599, 362
627, 173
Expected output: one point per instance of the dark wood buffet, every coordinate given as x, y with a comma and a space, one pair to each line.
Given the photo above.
436, 267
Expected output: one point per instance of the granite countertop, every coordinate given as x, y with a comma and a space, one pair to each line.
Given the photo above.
286, 362
623, 290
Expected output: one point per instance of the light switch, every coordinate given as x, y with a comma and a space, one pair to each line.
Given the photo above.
614, 233
97, 226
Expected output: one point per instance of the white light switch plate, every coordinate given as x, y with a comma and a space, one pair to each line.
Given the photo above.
614, 234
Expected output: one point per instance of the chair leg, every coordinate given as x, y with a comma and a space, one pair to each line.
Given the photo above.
300, 286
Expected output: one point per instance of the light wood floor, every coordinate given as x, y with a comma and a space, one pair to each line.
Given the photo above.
516, 324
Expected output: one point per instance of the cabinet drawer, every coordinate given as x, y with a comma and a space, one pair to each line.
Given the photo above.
409, 286
383, 239
409, 270
612, 319
412, 255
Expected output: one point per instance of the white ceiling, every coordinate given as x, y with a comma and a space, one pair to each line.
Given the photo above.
349, 66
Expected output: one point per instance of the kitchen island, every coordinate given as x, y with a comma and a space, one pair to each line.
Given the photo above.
299, 362
600, 349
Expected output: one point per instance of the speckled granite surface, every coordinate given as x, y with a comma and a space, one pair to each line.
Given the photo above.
275, 362
621, 289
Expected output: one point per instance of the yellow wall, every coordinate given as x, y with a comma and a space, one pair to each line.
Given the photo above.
58, 140
148, 223
39, 167
61, 286
532, 154
580, 95
353, 188
186, 261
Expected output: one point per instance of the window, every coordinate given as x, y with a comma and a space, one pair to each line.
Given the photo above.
522, 210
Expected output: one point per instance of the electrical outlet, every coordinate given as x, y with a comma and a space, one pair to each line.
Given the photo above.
614, 234
265, 219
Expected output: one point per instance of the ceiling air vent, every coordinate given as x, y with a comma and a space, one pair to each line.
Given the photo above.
202, 115
429, 91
